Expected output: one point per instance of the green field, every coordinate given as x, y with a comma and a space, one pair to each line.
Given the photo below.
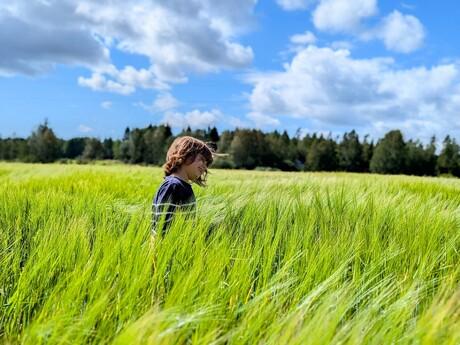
270, 258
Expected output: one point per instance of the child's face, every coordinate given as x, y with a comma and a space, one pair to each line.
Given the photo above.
195, 169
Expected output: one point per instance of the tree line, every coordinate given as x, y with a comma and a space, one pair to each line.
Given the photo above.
248, 149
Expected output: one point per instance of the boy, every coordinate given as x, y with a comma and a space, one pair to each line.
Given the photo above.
187, 162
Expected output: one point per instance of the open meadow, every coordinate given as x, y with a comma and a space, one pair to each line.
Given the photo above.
269, 258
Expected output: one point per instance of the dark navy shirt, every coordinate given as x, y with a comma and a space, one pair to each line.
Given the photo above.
173, 195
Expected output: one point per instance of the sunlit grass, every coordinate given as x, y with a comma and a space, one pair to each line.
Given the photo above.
270, 257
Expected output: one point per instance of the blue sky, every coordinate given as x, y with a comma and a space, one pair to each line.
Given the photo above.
92, 68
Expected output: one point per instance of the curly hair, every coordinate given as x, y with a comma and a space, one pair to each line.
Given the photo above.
183, 151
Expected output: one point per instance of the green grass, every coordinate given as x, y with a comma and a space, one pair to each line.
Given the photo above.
271, 257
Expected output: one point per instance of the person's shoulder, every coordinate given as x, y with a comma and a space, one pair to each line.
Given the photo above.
172, 184
174, 191
169, 184
166, 192
177, 182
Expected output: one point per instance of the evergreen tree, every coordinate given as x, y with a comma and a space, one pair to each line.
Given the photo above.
107, 145
151, 147
164, 139
22, 151
287, 152
322, 155
157, 141
279, 151
186, 132
350, 153
93, 149
421, 161
389, 155
15, 149
431, 158
74, 147
44, 146
448, 160
5, 153
275, 149
303, 147
367, 153
123, 150
123, 153
116, 149
248, 149
136, 146
127, 134
213, 135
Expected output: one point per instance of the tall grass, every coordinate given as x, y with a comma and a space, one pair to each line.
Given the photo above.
269, 257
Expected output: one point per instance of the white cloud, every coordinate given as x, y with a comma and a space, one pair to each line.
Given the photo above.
306, 38
290, 5
165, 101
195, 118
142, 78
107, 105
99, 83
261, 120
408, 6
123, 82
343, 15
329, 88
336, 45
237, 123
32, 49
84, 129
401, 33
177, 37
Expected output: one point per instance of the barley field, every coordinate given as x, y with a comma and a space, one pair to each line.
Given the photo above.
268, 258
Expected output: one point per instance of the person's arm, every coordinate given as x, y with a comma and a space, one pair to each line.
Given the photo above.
164, 208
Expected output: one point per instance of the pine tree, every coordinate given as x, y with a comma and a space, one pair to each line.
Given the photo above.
350, 153
448, 160
390, 154
74, 147
44, 146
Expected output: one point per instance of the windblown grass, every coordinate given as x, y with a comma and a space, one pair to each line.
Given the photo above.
270, 257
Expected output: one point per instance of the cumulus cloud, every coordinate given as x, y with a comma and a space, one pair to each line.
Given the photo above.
262, 120
107, 105
290, 5
178, 37
305, 38
401, 33
84, 129
341, 45
343, 15
142, 78
123, 81
195, 119
238, 123
99, 83
408, 6
163, 102
33, 49
329, 88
